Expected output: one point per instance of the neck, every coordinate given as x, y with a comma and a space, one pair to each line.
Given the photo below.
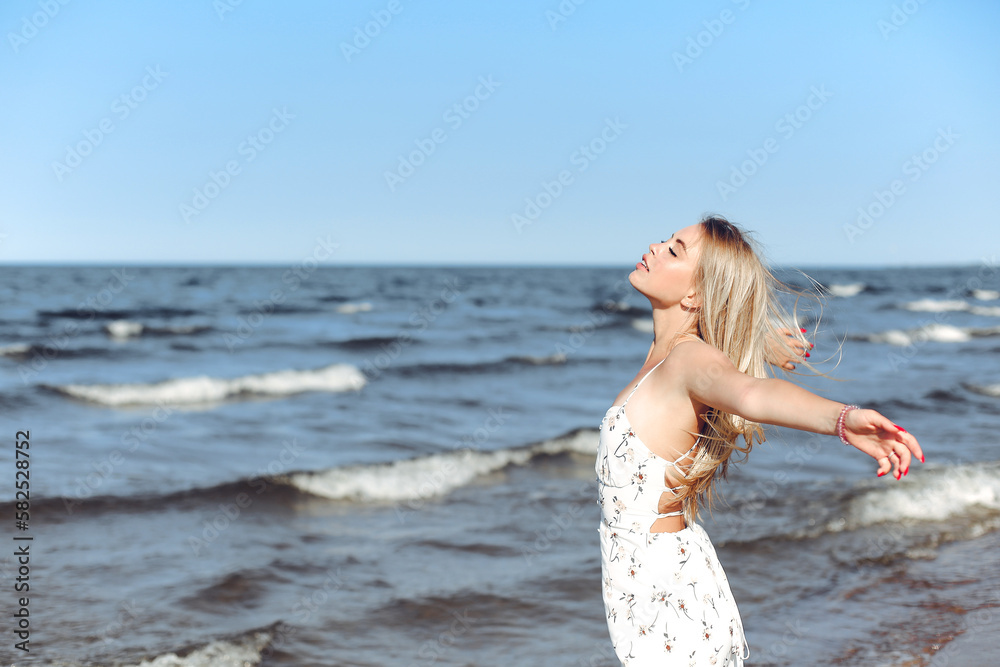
667, 324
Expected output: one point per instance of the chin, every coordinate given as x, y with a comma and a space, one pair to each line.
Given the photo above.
632, 278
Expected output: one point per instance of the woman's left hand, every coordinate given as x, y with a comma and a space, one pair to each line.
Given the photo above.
890, 445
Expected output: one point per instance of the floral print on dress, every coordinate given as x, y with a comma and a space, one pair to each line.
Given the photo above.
666, 596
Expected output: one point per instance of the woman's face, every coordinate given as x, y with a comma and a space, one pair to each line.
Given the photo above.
665, 274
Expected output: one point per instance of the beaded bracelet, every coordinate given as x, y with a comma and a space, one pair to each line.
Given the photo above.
840, 421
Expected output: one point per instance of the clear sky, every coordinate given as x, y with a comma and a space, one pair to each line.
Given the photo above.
242, 131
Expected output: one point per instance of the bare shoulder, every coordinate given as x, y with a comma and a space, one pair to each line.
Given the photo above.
693, 355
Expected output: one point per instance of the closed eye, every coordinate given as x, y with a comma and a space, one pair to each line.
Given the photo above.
672, 252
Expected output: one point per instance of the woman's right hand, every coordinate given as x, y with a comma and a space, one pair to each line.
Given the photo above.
890, 445
785, 349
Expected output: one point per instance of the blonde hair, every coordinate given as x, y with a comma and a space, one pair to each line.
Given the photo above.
740, 310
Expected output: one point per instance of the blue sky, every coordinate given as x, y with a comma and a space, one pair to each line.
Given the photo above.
201, 131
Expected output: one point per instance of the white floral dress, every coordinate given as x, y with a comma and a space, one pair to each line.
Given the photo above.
666, 596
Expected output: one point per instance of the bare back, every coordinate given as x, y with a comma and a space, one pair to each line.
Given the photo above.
663, 416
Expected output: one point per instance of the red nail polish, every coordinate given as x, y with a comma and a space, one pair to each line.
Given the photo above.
880, 474
807, 354
901, 428
812, 345
921, 458
802, 330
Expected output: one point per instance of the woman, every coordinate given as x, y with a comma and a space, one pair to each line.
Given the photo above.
704, 384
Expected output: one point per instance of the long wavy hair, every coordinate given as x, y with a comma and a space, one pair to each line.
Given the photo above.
739, 313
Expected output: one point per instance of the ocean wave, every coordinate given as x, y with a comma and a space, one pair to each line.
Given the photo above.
363, 342
244, 651
620, 308
403, 480
940, 504
934, 332
846, 290
505, 364
432, 475
985, 294
991, 390
17, 351
351, 308
147, 313
936, 305
23, 351
950, 306
122, 329
643, 325
936, 494
205, 389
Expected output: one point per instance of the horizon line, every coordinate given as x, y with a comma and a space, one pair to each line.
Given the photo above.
427, 265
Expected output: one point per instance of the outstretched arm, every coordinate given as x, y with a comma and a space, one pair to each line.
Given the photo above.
710, 377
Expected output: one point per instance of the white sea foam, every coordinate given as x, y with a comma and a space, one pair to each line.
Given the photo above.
205, 389
847, 290
950, 305
432, 475
129, 329
985, 390
244, 652
123, 329
616, 306
935, 495
14, 350
350, 308
936, 332
643, 325
985, 294
936, 305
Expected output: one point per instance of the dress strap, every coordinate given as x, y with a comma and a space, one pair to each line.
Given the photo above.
677, 513
683, 456
641, 380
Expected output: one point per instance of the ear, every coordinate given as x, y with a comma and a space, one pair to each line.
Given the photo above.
691, 301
